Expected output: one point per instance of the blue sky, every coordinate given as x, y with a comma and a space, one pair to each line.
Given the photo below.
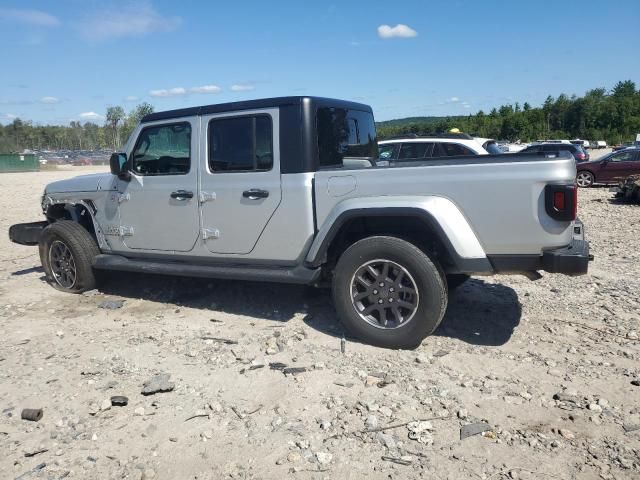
70, 59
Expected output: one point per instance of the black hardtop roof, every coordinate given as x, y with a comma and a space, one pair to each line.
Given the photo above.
252, 105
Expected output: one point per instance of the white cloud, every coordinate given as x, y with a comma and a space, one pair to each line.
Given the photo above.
49, 100
399, 31
131, 98
135, 20
31, 17
454, 100
180, 91
206, 89
242, 87
90, 116
8, 116
171, 92
466, 104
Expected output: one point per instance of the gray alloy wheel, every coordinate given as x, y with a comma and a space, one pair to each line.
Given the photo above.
384, 294
584, 179
63, 265
67, 252
388, 292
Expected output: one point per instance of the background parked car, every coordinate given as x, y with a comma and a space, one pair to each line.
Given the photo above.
600, 144
81, 162
416, 148
622, 146
609, 169
585, 144
548, 148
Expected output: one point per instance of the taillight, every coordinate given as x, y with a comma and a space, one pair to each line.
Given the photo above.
561, 202
581, 156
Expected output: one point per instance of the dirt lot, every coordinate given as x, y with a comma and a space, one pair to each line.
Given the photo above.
505, 348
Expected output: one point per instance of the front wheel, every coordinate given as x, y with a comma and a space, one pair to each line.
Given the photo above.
585, 179
388, 292
67, 253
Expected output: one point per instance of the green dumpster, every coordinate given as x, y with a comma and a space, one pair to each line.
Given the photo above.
18, 162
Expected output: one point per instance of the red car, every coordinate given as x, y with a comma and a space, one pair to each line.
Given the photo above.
609, 169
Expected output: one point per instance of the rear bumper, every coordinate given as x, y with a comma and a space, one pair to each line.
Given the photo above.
27, 233
572, 259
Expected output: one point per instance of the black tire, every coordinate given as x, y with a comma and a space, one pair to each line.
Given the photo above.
82, 249
423, 272
585, 179
454, 280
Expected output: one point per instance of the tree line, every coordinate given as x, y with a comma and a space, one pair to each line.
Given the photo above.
22, 134
613, 116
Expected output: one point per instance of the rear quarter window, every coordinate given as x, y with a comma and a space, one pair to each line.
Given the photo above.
344, 133
455, 149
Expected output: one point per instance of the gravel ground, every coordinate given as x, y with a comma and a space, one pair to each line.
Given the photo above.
547, 366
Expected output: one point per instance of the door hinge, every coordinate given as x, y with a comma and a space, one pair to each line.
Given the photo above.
125, 231
207, 197
208, 233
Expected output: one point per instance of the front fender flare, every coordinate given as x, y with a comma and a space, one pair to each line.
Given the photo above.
49, 200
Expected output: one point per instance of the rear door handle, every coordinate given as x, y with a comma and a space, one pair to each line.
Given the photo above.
181, 195
255, 194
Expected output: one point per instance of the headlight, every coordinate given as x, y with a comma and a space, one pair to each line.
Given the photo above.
45, 202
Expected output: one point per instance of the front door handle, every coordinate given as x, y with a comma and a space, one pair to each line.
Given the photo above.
255, 194
181, 195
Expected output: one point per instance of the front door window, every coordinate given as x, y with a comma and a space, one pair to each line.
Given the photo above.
163, 150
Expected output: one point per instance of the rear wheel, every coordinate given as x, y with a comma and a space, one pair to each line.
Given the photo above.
67, 253
585, 179
388, 292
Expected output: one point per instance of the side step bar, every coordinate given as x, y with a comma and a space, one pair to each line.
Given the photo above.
297, 275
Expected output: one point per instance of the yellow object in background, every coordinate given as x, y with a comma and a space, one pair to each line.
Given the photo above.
454, 130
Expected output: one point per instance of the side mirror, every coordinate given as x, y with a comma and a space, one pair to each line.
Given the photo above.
604, 162
118, 165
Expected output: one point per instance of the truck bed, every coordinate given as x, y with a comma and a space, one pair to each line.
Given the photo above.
500, 196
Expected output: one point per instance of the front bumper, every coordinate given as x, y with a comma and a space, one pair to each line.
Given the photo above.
27, 233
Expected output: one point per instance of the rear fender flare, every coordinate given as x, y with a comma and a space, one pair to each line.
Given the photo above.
440, 213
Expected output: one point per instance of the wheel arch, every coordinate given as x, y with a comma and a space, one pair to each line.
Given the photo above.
434, 224
79, 211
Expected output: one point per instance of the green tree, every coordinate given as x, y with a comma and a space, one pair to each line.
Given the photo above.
115, 116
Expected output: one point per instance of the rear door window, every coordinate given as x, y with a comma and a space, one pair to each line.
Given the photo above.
454, 149
241, 144
415, 151
627, 156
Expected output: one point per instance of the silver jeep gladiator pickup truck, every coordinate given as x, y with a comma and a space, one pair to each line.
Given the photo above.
288, 190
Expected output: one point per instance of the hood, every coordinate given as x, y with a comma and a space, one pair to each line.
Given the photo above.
82, 183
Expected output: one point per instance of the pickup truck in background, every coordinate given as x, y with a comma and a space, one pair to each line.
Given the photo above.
288, 190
